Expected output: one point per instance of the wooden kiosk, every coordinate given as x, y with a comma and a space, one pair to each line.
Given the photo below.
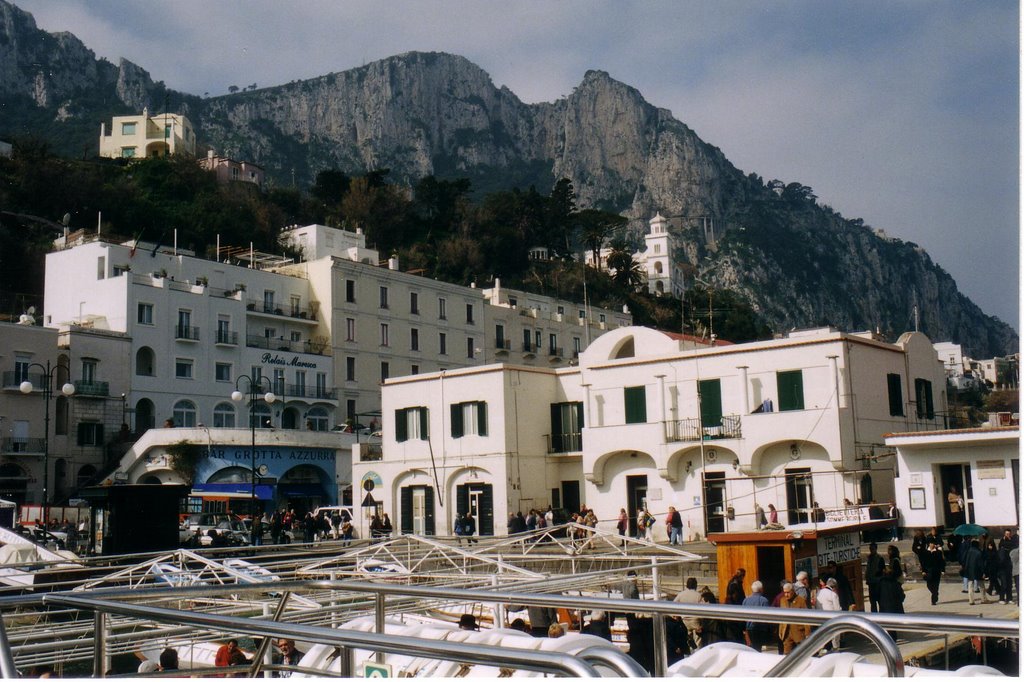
772, 556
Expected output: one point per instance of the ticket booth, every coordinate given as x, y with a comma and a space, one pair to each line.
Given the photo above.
772, 556
134, 518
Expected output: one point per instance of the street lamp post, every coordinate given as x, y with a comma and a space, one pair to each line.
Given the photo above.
67, 389
255, 385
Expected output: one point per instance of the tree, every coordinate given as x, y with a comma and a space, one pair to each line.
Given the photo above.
560, 211
626, 270
1002, 401
232, 89
596, 226
185, 458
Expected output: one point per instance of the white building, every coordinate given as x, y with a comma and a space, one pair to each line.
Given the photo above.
981, 465
182, 332
654, 419
144, 136
661, 272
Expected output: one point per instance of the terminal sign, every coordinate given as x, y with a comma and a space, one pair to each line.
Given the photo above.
838, 548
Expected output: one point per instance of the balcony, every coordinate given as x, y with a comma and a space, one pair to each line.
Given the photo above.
554, 353
13, 379
311, 392
98, 389
227, 338
684, 430
308, 347
502, 345
565, 442
370, 452
185, 333
22, 446
300, 313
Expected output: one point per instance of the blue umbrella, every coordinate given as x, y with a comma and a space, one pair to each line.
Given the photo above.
969, 530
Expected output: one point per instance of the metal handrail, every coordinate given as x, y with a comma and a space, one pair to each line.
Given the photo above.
625, 665
524, 659
7, 668
837, 625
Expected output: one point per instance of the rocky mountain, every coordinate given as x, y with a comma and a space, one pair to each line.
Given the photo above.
798, 262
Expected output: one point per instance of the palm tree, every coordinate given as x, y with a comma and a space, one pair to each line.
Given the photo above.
626, 270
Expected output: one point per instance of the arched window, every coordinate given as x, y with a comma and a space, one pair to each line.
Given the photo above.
150, 480
659, 287
231, 475
185, 413
317, 418
260, 415
657, 266
145, 362
85, 475
13, 483
224, 416
60, 426
145, 415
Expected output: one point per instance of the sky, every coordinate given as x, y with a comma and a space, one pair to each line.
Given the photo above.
902, 113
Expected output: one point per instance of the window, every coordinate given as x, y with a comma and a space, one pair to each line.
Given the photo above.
89, 370
710, 403
442, 343
350, 369
895, 383
567, 427
269, 332
512, 302
296, 337
538, 339
350, 410
260, 416
21, 364
256, 372
90, 433
442, 309
321, 384
127, 152
185, 413
350, 329
350, 291
414, 339
499, 335
635, 398
222, 371
184, 330
383, 297
469, 419
411, 424
224, 416
317, 419
925, 406
278, 381
128, 128
300, 382
583, 314
791, 390
561, 310
223, 330
553, 343
414, 303
527, 346
384, 334
296, 304
577, 346
183, 368
145, 362
414, 369
268, 301
385, 371
145, 313
101, 267
601, 318
470, 348
469, 313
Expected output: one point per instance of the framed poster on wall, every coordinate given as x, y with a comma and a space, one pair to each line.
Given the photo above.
917, 498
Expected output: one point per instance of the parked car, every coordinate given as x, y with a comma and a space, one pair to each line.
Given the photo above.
202, 522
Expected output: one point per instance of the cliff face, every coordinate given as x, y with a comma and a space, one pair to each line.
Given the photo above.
418, 114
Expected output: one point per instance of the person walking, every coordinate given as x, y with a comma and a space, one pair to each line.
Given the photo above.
711, 630
992, 568
622, 524
757, 633
890, 594
974, 572
674, 524
828, 600
1015, 570
690, 595
1005, 573
469, 528
791, 634
802, 587
386, 529
873, 574
932, 566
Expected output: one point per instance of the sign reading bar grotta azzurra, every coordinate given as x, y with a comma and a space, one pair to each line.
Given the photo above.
838, 548
272, 461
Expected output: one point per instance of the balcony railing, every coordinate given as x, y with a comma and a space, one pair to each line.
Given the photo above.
227, 338
503, 344
13, 379
299, 313
22, 445
691, 429
186, 333
555, 352
566, 442
528, 347
93, 388
370, 452
310, 347
312, 392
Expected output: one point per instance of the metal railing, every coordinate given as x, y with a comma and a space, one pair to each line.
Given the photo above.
21, 445
566, 442
186, 333
312, 392
92, 388
300, 313
309, 347
502, 344
13, 379
691, 429
227, 337
555, 352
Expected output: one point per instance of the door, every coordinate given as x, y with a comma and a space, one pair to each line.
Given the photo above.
714, 502
478, 498
475, 505
19, 436
710, 404
799, 494
571, 496
957, 478
771, 569
636, 491
419, 511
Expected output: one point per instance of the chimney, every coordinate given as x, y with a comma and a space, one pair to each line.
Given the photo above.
393, 263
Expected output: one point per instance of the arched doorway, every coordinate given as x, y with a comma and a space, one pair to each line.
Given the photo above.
85, 476
145, 417
304, 488
150, 480
290, 418
13, 483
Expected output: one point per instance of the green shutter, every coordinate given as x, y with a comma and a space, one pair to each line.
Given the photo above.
428, 511
481, 417
556, 428
895, 395
457, 430
424, 424
405, 517
401, 428
579, 416
791, 390
636, 404
710, 402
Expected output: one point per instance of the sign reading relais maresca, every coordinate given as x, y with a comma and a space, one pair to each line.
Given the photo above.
838, 548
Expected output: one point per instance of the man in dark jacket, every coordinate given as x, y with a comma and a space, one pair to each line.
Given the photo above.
974, 572
873, 574
932, 566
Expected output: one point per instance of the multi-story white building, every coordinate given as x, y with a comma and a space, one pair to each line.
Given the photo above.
650, 419
144, 136
229, 170
662, 273
321, 334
